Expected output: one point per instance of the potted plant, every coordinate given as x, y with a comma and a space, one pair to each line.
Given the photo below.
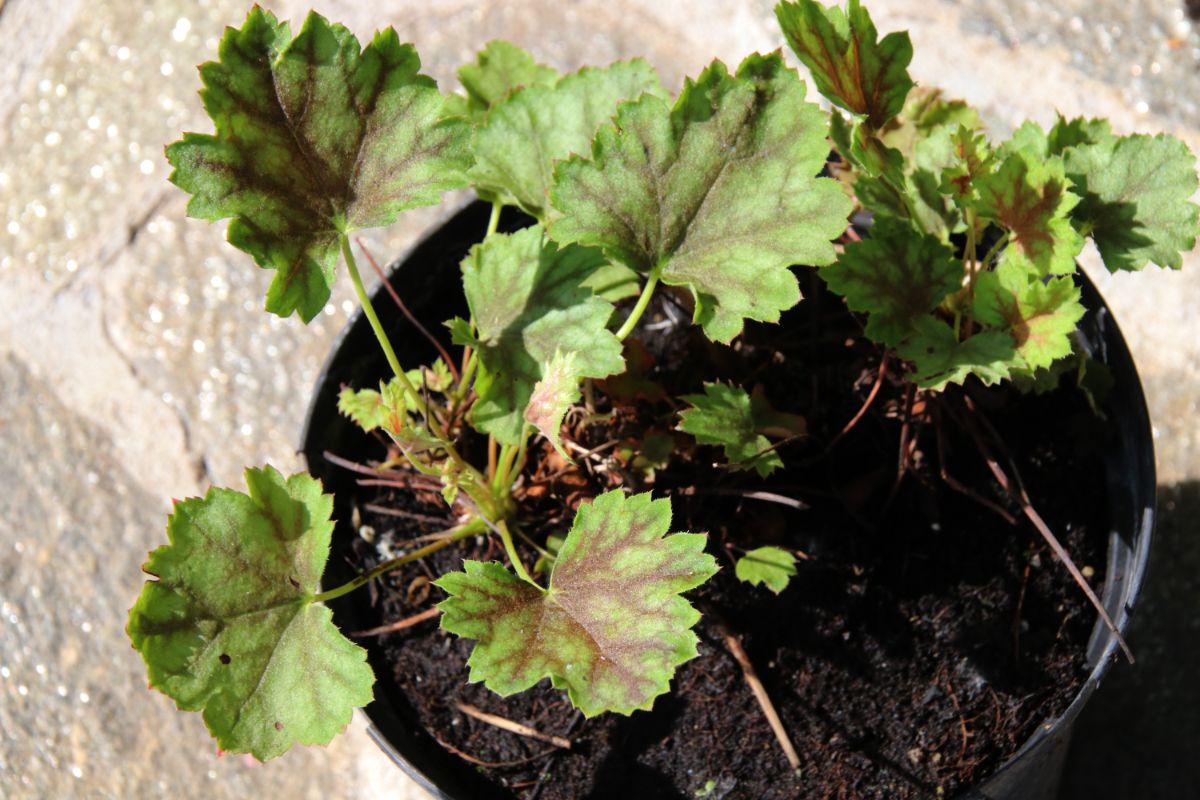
633, 351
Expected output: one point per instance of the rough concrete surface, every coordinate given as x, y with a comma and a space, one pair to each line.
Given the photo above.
136, 364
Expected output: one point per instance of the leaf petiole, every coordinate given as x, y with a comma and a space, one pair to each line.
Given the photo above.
511, 550
642, 303
494, 219
470, 528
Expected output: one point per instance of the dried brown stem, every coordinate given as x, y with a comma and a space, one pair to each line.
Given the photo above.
512, 727
399, 625
399, 512
1016, 490
494, 764
764, 700
749, 494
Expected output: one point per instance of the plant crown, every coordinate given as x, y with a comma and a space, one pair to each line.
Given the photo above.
717, 191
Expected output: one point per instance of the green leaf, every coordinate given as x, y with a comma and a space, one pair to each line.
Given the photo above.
939, 358
528, 302
556, 392
526, 135
849, 63
314, 139
1077, 132
925, 112
1031, 199
896, 275
612, 627
500, 69
717, 193
973, 159
1136, 199
364, 407
1039, 315
229, 626
772, 567
727, 416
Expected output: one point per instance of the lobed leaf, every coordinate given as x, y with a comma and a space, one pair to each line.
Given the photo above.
1031, 198
556, 392
314, 138
528, 301
1040, 315
1136, 202
612, 627
896, 275
772, 567
727, 416
229, 627
717, 193
523, 137
851, 66
500, 69
939, 358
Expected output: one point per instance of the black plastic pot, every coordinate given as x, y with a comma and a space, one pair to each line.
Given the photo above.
429, 280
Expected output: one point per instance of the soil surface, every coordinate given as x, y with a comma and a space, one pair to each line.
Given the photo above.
923, 639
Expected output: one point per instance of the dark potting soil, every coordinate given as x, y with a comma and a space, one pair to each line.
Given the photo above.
923, 639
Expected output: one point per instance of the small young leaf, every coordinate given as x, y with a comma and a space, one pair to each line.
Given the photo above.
1039, 315
556, 392
939, 358
1136, 199
524, 136
972, 160
1077, 132
364, 407
1031, 199
612, 627
314, 139
229, 626
727, 416
500, 69
896, 275
850, 64
527, 298
772, 567
924, 112
717, 193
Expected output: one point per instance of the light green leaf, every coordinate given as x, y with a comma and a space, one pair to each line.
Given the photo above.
314, 139
727, 416
717, 193
229, 627
772, 567
896, 275
528, 302
1136, 199
924, 112
849, 63
364, 407
1077, 132
612, 627
939, 358
973, 159
500, 69
1030, 198
1040, 315
556, 392
526, 135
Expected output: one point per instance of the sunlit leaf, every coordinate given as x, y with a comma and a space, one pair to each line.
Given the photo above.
1040, 315
612, 627
717, 193
528, 302
499, 69
729, 417
526, 135
940, 358
314, 139
553, 394
772, 567
229, 627
850, 64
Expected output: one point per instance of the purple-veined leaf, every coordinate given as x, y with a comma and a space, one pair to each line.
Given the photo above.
612, 626
229, 627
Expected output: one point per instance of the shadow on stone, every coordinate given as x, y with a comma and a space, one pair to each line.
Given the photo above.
1140, 735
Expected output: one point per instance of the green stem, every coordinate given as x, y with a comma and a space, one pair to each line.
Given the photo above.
471, 528
643, 302
509, 548
518, 463
494, 219
377, 327
1000, 243
508, 454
